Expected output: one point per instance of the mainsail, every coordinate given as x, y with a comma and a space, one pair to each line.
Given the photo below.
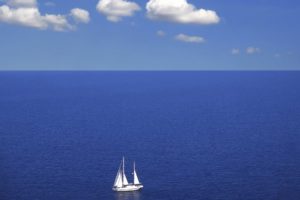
135, 177
125, 182
121, 179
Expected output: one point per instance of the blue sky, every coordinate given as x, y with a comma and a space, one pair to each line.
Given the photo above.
149, 35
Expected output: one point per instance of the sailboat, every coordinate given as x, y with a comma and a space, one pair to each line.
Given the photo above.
121, 184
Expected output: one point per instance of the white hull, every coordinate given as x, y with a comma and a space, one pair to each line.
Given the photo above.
128, 188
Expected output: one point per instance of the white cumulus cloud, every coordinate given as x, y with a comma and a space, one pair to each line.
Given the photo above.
57, 22
26, 13
23, 16
252, 50
180, 11
188, 38
22, 3
115, 10
80, 15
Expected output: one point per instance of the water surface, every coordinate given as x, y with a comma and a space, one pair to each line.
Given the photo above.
193, 135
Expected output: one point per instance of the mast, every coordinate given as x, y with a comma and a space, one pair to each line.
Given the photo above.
134, 166
123, 166
123, 171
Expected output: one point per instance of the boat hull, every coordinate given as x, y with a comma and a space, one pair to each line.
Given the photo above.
128, 188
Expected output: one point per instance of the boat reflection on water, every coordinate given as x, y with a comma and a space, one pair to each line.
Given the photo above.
128, 195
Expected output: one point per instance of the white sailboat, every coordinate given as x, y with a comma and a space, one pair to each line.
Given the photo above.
121, 184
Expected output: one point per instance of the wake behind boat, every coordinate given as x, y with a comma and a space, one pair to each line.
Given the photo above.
121, 184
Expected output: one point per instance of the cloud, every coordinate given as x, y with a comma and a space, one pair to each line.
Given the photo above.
80, 15
22, 3
188, 38
26, 13
57, 22
115, 10
180, 11
252, 50
235, 51
160, 33
23, 16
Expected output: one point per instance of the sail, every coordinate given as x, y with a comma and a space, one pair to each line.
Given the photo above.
135, 178
125, 182
118, 179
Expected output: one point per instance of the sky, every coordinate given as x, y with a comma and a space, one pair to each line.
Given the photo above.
149, 35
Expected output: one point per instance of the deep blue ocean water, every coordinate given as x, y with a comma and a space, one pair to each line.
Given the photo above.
193, 135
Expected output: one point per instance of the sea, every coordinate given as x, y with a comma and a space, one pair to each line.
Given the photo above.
193, 135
